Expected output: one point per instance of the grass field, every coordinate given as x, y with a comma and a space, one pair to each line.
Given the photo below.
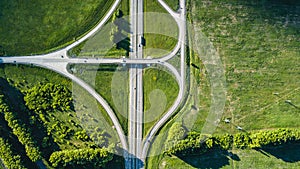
258, 44
160, 40
174, 4
101, 45
153, 6
160, 92
111, 82
161, 31
39, 26
282, 157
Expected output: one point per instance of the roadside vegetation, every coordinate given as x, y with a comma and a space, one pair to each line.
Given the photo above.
40, 27
160, 91
41, 127
174, 4
111, 41
111, 82
8, 156
257, 42
159, 40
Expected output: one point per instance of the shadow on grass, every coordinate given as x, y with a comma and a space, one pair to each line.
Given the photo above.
16, 104
288, 152
16, 146
119, 38
119, 161
282, 2
269, 9
122, 24
213, 159
124, 44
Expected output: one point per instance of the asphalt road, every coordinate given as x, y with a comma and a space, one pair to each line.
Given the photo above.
136, 85
140, 98
181, 21
58, 61
132, 88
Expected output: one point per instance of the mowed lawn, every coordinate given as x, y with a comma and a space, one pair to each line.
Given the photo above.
160, 92
111, 82
173, 4
40, 26
101, 44
161, 30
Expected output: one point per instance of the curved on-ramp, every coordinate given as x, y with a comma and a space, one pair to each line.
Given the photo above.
60, 67
180, 20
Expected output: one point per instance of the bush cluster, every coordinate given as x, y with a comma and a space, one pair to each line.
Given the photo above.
21, 131
10, 160
47, 97
81, 157
195, 143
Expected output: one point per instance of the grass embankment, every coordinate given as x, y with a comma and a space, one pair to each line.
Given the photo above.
101, 44
39, 26
54, 130
160, 30
111, 82
173, 4
257, 42
160, 92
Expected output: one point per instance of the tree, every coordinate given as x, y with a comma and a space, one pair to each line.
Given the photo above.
48, 97
10, 160
176, 133
81, 157
242, 140
21, 131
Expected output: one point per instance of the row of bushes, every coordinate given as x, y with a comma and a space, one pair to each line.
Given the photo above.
21, 131
195, 143
10, 160
266, 138
81, 157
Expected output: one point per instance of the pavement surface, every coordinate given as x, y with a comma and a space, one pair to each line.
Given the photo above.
57, 61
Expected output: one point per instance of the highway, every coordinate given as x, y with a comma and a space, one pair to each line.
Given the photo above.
135, 85
140, 94
58, 61
132, 88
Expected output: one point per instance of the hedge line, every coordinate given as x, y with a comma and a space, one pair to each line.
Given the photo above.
10, 160
21, 131
81, 157
196, 143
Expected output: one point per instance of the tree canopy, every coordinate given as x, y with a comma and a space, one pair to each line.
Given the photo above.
47, 97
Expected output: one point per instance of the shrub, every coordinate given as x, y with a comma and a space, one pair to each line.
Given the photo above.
81, 157
176, 133
10, 160
195, 143
48, 97
21, 131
